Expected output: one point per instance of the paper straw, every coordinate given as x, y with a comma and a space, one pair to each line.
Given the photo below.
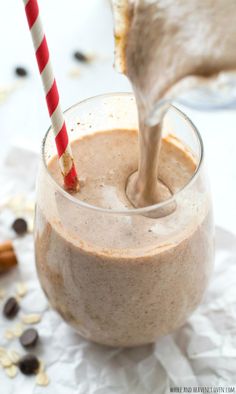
66, 161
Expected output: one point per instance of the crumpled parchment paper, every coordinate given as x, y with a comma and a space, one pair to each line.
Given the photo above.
201, 353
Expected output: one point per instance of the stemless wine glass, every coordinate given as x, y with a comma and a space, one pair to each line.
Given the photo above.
121, 277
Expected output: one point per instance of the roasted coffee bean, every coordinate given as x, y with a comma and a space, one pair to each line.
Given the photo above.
29, 338
20, 226
21, 71
11, 308
29, 364
81, 57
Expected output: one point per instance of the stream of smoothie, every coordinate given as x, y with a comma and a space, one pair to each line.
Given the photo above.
164, 48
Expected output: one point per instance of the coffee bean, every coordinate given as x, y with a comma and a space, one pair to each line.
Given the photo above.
21, 71
20, 226
29, 364
29, 338
11, 308
81, 57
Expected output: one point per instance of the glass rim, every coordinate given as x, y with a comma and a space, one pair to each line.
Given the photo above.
132, 211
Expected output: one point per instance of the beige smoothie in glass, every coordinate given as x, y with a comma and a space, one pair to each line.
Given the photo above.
120, 275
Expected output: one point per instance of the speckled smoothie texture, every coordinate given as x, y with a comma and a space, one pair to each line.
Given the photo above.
123, 280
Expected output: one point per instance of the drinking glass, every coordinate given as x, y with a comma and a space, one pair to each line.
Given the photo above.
122, 277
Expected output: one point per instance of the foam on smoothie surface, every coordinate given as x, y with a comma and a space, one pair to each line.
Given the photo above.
106, 159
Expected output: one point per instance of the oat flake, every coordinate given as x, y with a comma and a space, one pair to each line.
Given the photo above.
32, 318
11, 371
2, 351
13, 356
5, 361
17, 330
8, 335
42, 379
21, 289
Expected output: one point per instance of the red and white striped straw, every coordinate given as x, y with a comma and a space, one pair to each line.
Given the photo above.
52, 97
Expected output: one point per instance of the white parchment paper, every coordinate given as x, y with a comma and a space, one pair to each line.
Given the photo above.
201, 353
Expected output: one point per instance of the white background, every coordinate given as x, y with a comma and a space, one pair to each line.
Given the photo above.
87, 25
